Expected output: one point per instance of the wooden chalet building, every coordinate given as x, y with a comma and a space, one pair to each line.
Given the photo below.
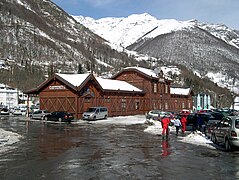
157, 89
132, 91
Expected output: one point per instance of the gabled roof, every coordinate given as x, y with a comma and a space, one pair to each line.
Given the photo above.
145, 72
109, 84
149, 73
77, 81
74, 79
180, 91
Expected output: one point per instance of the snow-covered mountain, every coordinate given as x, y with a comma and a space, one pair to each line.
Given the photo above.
205, 49
126, 31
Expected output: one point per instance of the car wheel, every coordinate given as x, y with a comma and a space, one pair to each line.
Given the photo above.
105, 117
228, 145
59, 119
94, 118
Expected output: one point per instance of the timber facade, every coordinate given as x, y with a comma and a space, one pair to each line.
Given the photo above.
138, 91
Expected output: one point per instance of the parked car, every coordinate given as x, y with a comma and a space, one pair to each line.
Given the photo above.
40, 114
4, 111
211, 124
94, 113
206, 117
60, 116
155, 114
17, 111
184, 112
227, 132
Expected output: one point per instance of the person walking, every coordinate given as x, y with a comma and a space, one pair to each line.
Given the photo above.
199, 122
183, 122
177, 125
165, 122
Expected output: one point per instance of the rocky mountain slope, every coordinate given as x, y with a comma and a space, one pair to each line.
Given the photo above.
210, 51
38, 38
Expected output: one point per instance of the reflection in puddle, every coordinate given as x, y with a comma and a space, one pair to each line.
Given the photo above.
165, 148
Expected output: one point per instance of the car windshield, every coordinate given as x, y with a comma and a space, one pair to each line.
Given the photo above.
237, 123
91, 110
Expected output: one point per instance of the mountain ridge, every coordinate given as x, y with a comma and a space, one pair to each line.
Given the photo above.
191, 43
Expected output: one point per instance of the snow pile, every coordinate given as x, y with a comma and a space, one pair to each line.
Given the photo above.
197, 139
7, 138
155, 127
124, 120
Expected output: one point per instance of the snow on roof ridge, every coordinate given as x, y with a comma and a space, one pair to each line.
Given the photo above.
146, 71
180, 91
74, 79
110, 84
107, 84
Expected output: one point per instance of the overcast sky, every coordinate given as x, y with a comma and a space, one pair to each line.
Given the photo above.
207, 11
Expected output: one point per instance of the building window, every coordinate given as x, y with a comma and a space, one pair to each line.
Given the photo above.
87, 99
123, 105
189, 105
107, 99
183, 105
166, 106
155, 87
137, 105
166, 89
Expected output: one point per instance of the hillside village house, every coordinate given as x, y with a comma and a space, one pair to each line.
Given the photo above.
132, 91
8, 96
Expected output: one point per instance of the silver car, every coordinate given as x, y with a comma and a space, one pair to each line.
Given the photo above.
40, 114
226, 132
94, 113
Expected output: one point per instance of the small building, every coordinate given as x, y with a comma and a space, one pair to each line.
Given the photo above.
8, 96
132, 91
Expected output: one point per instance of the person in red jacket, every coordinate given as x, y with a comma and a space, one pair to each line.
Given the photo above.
183, 122
165, 122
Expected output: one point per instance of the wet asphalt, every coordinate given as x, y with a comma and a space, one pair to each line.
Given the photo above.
108, 151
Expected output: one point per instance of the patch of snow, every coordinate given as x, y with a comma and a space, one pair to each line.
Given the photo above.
7, 139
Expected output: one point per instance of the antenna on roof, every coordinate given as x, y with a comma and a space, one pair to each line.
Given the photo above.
91, 68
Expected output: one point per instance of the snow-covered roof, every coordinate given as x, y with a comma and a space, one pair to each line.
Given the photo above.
109, 84
106, 84
74, 79
180, 91
148, 72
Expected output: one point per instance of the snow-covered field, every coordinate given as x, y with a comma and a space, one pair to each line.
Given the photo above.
8, 138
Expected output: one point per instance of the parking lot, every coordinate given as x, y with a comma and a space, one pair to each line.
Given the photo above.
116, 148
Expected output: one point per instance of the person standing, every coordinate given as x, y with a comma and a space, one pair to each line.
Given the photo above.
199, 122
177, 124
165, 122
183, 122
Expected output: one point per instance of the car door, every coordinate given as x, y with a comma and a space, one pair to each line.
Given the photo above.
38, 114
35, 115
225, 128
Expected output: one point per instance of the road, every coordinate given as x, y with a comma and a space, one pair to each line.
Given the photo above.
110, 150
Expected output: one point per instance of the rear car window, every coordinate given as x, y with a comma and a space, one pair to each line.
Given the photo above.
237, 123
